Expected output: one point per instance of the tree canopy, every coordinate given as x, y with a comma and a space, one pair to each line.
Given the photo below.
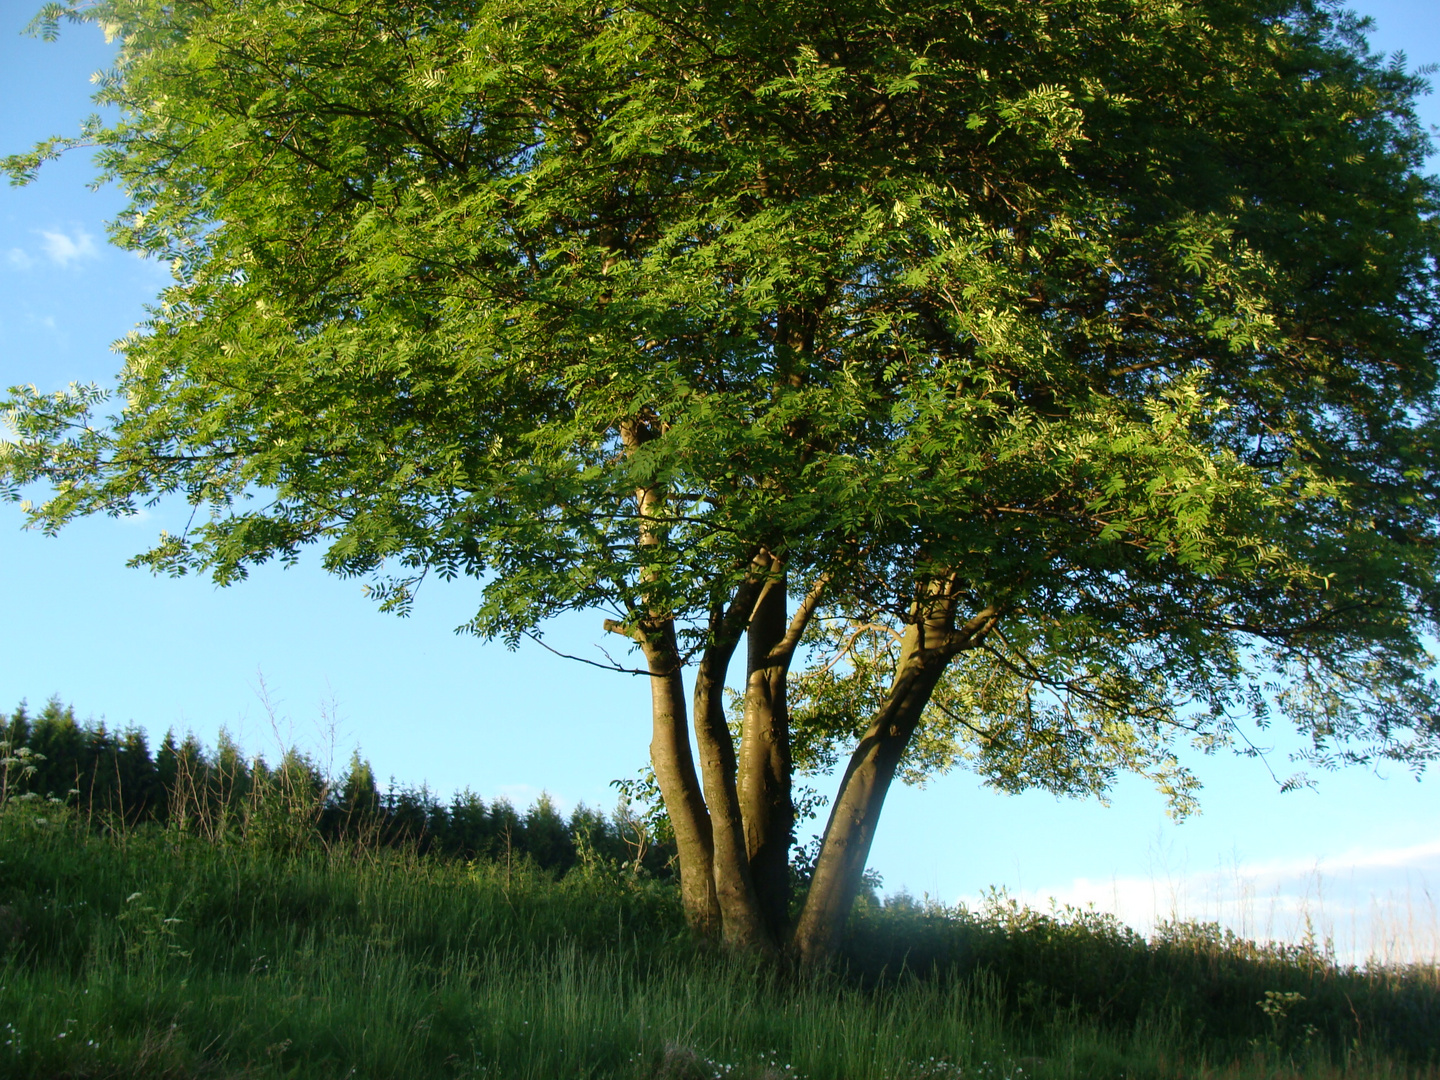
1059, 377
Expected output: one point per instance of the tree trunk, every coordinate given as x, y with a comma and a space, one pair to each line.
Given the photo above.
674, 767
765, 770
927, 648
742, 922
670, 743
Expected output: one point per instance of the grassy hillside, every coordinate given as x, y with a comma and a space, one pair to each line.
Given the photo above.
150, 953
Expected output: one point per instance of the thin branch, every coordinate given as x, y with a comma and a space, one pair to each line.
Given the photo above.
985, 735
800, 620
849, 645
612, 666
1255, 751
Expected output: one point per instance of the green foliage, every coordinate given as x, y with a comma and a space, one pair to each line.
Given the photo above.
1117, 319
1016, 726
154, 954
224, 796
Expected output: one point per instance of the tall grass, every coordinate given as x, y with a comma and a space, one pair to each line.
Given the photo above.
153, 953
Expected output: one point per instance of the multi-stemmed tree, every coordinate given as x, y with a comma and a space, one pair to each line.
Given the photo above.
1024, 383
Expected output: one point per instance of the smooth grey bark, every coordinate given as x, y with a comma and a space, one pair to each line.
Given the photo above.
733, 839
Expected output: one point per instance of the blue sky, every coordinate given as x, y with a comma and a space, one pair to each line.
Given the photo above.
427, 705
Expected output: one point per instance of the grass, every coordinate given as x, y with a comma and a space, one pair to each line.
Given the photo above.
149, 954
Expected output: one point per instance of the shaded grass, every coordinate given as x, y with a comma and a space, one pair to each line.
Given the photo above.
151, 955
1228, 994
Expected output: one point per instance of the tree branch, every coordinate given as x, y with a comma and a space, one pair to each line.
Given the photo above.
611, 666
971, 634
804, 612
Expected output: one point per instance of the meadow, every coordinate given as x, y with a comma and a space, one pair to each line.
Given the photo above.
150, 953
239, 921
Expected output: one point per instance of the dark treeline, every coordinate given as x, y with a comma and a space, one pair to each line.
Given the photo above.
112, 779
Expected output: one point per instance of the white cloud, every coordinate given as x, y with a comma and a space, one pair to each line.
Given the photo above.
1377, 903
1414, 856
17, 258
64, 249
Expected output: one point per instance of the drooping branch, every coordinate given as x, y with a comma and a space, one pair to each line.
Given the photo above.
611, 666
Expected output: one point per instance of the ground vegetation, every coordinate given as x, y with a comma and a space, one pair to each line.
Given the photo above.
154, 954
1060, 378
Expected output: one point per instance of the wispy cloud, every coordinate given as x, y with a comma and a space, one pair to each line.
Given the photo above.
64, 248
140, 516
50, 327
18, 258
1378, 902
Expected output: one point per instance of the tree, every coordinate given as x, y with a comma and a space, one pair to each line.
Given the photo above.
1069, 367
